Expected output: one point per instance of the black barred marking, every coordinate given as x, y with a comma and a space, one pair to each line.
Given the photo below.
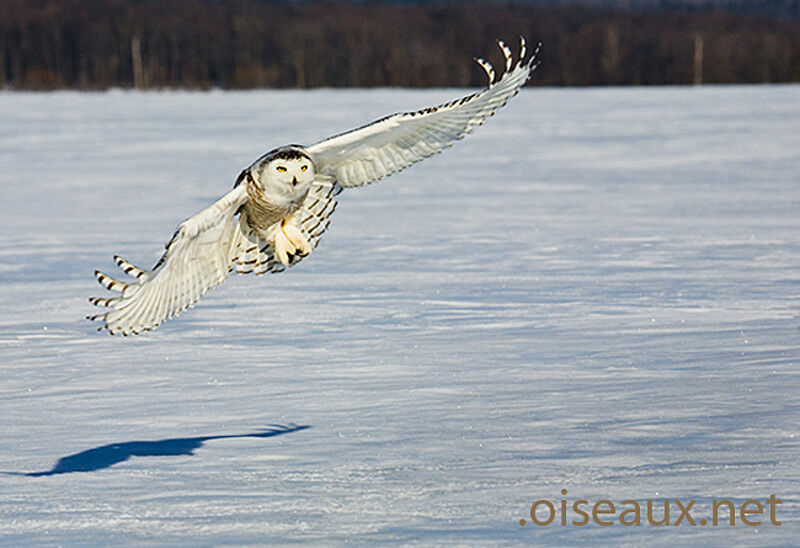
428, 110
110, 283
290, 155
313, 229
102, 301
331, 187
128, 268
506, 53
288, 152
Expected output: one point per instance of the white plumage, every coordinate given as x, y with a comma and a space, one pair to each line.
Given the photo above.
284, 201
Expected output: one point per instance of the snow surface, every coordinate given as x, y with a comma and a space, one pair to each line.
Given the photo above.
598, 292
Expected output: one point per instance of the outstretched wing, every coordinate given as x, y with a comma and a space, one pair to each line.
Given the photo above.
391, 144
198, 257
257, 255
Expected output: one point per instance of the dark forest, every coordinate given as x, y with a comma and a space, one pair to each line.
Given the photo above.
99, 44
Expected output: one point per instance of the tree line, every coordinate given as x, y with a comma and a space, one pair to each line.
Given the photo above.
200, 44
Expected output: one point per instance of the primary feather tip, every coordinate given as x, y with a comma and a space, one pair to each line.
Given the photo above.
508, 56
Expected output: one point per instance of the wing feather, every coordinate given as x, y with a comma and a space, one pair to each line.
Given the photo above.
198, 257
388, 145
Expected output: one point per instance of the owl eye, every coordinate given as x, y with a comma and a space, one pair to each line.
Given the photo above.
303, 168
281, 169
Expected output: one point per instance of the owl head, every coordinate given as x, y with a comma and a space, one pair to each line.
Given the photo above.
285, 173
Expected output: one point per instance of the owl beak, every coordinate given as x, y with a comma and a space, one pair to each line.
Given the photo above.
294, 181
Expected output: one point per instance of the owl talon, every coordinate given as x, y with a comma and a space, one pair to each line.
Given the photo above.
281, 250
289, 242
297, 239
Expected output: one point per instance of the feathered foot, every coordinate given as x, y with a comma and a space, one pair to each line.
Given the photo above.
288, 240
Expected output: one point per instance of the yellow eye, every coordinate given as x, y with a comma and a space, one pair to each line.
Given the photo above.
281, 169
303, 168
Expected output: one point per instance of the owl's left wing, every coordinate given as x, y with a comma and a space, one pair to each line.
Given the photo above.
374, 151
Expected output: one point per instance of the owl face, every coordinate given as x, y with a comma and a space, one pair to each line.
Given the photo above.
286, 177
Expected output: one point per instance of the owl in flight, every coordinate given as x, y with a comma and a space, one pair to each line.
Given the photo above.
284, 201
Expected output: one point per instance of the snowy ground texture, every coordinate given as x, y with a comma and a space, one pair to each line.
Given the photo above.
598, 292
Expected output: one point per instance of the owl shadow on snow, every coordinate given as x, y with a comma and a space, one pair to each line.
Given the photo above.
106, 456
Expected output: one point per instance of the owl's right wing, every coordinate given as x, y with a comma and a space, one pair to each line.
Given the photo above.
198, 257
393, 143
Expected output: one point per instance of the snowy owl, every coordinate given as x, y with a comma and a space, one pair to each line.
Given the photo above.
284, 201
